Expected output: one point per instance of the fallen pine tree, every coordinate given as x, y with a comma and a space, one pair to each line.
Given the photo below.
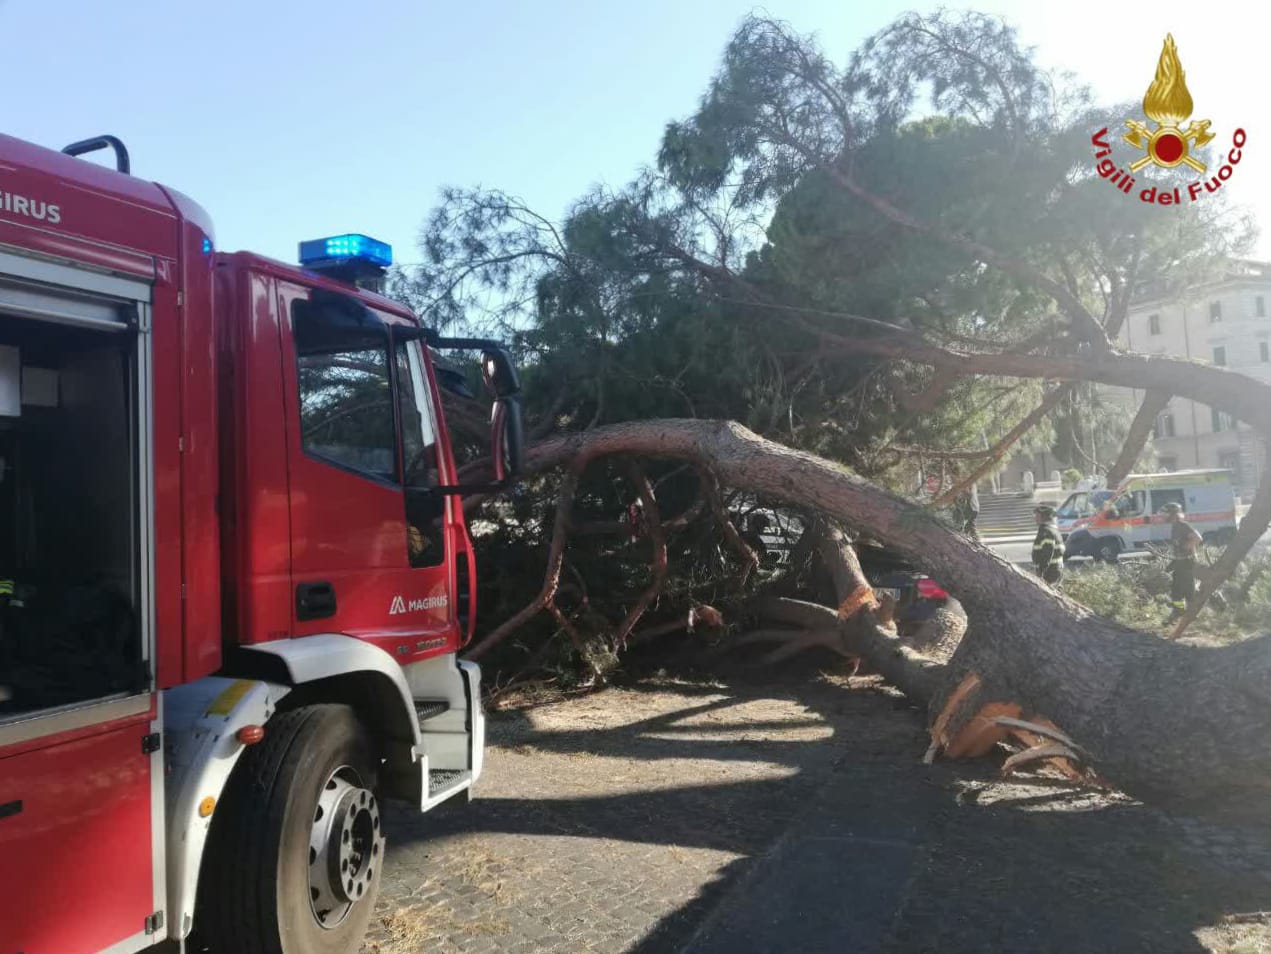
1157, 718
892, 303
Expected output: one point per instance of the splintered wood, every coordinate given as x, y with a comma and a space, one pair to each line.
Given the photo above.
860, 598
961, 737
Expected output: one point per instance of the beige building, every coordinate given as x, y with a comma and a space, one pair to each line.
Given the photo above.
1226, 322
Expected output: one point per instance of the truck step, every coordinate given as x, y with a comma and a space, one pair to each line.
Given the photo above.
426, 709
442, 780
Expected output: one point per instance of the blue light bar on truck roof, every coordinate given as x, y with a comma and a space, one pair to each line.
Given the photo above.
345, 249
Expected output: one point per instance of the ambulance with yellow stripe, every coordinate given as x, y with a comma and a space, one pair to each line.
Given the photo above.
1134, 516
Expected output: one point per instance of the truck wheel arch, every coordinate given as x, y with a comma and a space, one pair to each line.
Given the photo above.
203, 718
337, 668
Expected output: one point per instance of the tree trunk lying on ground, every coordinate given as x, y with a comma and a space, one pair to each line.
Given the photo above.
1159, 719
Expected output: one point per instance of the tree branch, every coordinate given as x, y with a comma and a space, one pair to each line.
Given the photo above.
1252, 527
1085, 324
551, 578
1091, 675
710, 489
994, 456
1154, 402
657, 536
1245, 398
925, 401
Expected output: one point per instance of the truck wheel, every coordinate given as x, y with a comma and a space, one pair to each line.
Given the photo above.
296, 846
1108, 550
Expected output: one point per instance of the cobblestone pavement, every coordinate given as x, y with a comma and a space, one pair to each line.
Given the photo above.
609, 822
797, 816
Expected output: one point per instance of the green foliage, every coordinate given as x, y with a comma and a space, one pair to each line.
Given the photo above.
1120, 592
1070, 478
699, 289
937, 181
1136, 593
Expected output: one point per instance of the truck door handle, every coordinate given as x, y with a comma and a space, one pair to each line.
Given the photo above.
315, 600
8, 809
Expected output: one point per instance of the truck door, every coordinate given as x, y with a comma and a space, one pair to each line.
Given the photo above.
1129, 519
81, 775
369, 538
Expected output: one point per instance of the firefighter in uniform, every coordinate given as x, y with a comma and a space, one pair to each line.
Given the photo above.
1048, 547
1184, 543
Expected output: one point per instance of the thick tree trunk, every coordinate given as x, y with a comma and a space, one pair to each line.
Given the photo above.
1157, 718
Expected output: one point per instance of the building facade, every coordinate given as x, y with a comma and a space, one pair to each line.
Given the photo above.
1225, 323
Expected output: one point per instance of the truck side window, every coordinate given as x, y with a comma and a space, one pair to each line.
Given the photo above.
1131, 504
425, 539
346, 410
1162, 497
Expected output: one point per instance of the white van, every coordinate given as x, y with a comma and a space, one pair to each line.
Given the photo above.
1079, 506
1133, 517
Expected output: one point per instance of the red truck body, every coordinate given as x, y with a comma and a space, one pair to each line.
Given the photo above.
246, 541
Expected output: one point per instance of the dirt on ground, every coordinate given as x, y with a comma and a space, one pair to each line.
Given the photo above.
789, 810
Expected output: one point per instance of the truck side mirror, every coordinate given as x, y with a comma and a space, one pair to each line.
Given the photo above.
499, 374
506, 430
507, 436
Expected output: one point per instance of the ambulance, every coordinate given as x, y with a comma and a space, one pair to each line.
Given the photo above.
1133, 517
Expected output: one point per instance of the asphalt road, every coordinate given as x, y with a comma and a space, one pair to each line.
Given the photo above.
788, 809
1021, 552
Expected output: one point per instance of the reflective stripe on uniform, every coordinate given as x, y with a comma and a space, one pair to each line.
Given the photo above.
1048, 548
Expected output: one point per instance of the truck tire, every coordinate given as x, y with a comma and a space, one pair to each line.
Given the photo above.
299, 808
1108, 550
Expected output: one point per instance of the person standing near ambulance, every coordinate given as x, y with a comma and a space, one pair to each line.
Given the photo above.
1185, 542
1048, 547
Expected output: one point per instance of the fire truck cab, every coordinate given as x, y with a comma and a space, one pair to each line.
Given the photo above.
234, 572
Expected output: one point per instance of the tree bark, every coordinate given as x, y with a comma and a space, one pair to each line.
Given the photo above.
1157, 718
1154, 402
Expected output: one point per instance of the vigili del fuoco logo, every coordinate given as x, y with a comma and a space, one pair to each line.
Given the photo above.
1169, 145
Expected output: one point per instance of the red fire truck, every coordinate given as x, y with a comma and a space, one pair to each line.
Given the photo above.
234, 572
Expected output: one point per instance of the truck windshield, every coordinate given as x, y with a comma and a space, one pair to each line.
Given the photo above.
1077, 505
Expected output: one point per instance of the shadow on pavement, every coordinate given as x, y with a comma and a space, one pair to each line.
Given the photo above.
864, 848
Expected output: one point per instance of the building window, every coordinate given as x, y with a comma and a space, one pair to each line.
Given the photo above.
1264, 353
1153, 324
1215, 311
1230, 461
1221, 420
1169, 464
1220, 356
1164, 426
1260, 307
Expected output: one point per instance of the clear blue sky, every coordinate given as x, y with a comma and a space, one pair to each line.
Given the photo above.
291, 120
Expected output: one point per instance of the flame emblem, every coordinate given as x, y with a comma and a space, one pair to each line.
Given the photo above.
1168, 104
